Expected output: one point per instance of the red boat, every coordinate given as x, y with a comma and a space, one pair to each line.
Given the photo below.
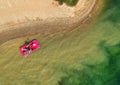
29, 47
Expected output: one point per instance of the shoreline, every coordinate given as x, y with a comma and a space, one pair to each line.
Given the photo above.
32, 27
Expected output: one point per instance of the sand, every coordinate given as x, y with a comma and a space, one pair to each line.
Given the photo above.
28, 17
15, 10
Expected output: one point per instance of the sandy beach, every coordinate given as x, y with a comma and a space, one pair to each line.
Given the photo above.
26, 17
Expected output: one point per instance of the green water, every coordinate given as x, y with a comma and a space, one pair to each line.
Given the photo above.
107, 72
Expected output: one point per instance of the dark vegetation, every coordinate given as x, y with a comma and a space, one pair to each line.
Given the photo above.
112, 10
68, 2
105, 73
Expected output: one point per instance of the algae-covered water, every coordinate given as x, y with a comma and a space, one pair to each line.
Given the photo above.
84, 56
